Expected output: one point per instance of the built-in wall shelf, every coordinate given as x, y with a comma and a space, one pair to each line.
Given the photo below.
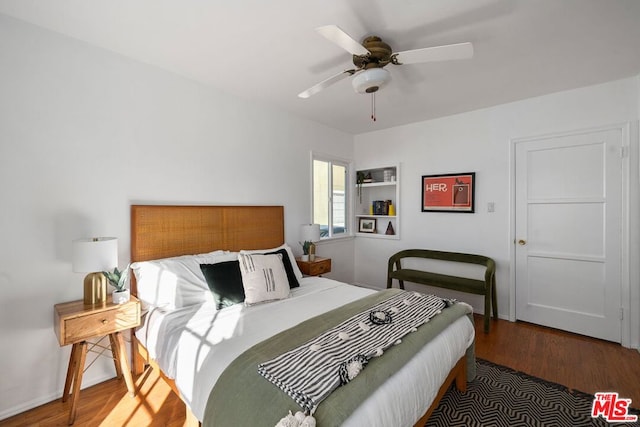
378, 184
376, 202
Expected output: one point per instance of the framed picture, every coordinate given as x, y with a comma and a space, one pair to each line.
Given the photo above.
452, 192
367, 225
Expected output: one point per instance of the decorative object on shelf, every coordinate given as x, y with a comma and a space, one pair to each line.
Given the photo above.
390, 231
118, 279
362, 177
381, 207
94, 255
359, 182
392, 209
367, 225
310, 233
449, 192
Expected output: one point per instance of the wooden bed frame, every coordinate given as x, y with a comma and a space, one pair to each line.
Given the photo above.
160, 231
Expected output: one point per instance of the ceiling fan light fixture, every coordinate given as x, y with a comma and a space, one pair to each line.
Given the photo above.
370, 80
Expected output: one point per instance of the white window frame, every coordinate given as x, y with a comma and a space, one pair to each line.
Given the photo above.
348, 165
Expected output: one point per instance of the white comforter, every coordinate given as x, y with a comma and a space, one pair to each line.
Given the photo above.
195, 344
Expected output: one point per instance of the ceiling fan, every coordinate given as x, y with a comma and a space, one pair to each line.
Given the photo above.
374, 54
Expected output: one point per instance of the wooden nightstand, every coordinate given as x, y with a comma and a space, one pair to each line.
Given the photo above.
317, 267
76, 322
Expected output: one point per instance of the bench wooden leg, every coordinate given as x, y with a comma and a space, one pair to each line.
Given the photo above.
494, 299
487, 312
490, 305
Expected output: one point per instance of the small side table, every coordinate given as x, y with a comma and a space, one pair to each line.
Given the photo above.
317, 267
76, 322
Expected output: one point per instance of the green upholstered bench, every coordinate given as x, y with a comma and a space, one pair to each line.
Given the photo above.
486, 287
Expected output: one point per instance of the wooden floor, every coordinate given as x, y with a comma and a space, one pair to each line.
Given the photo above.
577, 362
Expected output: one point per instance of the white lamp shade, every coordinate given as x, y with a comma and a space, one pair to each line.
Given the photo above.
94, 254
364, 81
310, 233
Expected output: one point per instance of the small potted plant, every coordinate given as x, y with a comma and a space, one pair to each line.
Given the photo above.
118, 279
359, 182
305, 249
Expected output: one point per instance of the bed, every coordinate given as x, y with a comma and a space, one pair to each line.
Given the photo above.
195, 343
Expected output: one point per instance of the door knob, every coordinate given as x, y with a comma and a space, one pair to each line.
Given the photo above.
522, 242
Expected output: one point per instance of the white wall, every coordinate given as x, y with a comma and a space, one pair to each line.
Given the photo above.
83, 134
480, 141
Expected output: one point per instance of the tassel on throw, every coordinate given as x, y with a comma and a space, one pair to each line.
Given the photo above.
297, 420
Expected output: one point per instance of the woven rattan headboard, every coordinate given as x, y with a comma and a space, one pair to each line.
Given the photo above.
159, 231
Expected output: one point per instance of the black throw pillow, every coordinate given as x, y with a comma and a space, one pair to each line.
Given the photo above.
291, 276
225, 281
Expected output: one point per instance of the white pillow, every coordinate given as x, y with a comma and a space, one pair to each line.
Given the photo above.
176, 282
294, 264
263, 278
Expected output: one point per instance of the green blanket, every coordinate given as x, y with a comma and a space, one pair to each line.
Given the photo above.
242, 397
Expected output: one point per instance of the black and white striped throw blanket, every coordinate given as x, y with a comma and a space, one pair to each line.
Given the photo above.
310, 372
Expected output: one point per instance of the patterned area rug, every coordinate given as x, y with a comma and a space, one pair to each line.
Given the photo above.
500, 396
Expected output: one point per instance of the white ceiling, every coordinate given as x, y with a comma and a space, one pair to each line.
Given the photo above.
268, 51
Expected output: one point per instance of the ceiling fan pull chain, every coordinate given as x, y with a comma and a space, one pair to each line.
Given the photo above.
373, 106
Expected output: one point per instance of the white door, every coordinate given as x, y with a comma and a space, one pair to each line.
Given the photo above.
568, 232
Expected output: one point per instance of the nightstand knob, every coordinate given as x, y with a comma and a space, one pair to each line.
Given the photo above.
104, 321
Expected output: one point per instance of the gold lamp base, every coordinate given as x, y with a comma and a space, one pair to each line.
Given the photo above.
312, 252
95, 288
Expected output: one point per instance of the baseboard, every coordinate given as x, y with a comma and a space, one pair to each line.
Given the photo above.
7, 413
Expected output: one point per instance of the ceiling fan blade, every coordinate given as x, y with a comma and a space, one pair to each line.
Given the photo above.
326, 83
338, 36
437, 53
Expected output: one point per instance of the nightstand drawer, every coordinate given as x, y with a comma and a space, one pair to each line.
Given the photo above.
320, 267
76, 326
316, 267
104, 323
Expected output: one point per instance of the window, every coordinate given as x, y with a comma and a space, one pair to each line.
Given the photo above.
330, 196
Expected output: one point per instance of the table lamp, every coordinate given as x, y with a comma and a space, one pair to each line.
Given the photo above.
94, 255
311, 233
